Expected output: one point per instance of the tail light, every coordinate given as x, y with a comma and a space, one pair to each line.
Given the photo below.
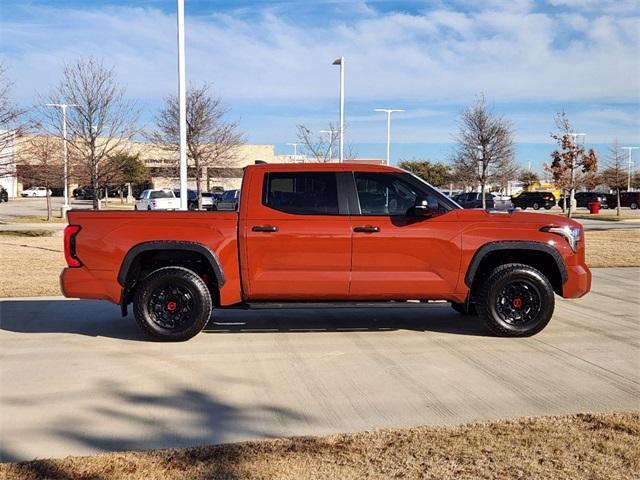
70, 256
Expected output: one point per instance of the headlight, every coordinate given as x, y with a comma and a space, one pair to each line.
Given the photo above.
571, 234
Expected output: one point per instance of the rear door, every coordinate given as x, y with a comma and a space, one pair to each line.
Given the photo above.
397, 255
297, 237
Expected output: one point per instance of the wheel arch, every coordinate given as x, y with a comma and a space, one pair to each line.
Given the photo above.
535, 254
132, 264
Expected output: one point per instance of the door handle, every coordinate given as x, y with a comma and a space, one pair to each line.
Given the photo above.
264, 228
366, 229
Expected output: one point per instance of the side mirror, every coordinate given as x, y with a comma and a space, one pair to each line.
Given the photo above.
425, 207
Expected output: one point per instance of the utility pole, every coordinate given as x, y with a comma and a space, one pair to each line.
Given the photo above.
629, 149
340, 61
388, 111
330, 132
182, 100
63, 107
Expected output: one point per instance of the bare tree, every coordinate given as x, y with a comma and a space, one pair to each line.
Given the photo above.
41, 163
615, 173
11, 125
569, 158
212, 142
102, 123
484, 146
319, 146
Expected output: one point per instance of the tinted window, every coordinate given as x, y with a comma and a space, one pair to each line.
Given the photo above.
161, 194
390, 194
302, 193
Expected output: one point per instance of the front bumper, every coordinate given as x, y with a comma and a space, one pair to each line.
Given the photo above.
578, 282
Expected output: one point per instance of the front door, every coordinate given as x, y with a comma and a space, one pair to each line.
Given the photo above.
298, 240
397, 255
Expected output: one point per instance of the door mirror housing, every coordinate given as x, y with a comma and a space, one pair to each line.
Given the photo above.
425, 207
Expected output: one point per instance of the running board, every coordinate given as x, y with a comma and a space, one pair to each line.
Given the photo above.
318, 305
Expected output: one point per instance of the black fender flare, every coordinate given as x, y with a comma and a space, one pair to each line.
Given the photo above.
514, 245
205, 251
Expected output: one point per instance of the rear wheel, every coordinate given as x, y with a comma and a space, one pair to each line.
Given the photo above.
515, 301
172, 304
547, 207
633, 206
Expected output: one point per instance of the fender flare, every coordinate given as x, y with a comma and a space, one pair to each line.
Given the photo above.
205, 251
488, 248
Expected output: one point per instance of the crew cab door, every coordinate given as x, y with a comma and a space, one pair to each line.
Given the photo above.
397, 255
296, 237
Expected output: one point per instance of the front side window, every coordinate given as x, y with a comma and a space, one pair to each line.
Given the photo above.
394, 194
302, 193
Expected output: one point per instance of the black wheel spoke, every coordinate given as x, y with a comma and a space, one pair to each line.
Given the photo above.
170, 307
518, 302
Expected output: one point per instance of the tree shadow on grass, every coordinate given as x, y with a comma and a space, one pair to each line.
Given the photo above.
102, 319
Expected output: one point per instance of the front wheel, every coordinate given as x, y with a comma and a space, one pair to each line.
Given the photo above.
172, 304
633, 206
515, 301
547, 207
536, 206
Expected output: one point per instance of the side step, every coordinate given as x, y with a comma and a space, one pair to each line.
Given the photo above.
332, 305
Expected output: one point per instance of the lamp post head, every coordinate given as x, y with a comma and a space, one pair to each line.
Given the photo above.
338, 61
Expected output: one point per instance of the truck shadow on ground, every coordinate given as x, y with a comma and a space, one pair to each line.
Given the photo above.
102, 319
133, 420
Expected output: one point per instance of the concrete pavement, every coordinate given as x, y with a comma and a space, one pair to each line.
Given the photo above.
78, 379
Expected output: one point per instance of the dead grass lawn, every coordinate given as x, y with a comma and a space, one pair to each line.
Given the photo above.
613, 248
593, 446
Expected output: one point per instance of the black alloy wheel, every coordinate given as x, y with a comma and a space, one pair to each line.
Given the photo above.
172, 304
516, 300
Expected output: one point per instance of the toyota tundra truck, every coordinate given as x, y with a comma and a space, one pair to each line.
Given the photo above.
326, 233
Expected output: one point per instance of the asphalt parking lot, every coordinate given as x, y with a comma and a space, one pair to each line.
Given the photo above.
78, 379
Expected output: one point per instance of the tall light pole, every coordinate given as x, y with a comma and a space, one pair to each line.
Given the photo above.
340, 61
295, 149
182, 99
63, 107
388, 111
330, 132
629, 149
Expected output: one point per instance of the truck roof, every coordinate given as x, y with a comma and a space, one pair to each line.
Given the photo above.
322, 167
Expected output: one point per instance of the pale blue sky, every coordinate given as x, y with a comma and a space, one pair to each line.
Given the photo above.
271, 63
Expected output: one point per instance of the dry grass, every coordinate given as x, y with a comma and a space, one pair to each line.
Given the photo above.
30, 265
34, 264
580, 446
613, 248
37, 219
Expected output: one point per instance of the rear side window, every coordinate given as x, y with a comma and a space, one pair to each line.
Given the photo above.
302, 193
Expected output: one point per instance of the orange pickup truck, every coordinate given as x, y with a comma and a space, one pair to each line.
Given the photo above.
329, 233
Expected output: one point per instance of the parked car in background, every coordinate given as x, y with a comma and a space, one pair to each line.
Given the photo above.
627, 199
4, 195
192, 199
35, 192
229, 200
583, 199
535, 200
157, 200
474, 200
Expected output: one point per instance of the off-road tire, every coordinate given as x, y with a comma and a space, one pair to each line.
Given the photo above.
490, 290
462, 310
168, 277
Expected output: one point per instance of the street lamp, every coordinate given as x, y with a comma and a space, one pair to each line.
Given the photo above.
295, 149
182, 100
388, 111
63, 107
330, 132
629, 149
340, 61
